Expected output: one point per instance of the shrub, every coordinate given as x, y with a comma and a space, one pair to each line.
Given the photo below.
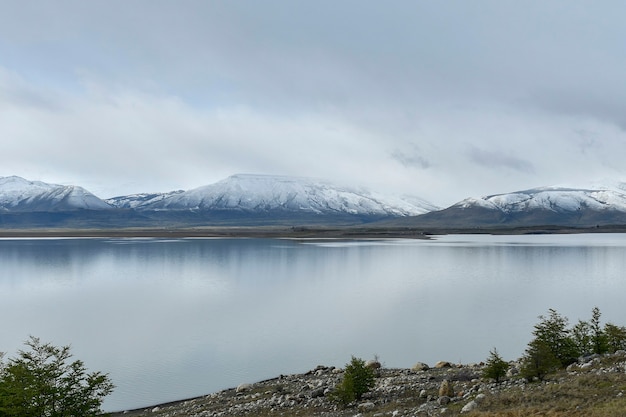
41, 382
538, 360
615, 337
581, 336
357, 380
598, 337
496, 367
553, 334
557, 346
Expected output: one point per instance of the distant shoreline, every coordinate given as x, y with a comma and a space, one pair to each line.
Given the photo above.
300, 232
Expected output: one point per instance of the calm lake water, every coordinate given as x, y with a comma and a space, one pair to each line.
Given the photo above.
172, 319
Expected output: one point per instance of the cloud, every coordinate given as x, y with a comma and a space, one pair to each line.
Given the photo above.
150, 95
498, 159
411, 158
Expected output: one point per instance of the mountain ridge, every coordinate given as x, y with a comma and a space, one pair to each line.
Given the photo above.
550, 205
19, 194
243, 199
254, 193
258, 200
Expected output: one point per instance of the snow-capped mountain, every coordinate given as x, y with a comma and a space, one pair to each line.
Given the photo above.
20, 195
555, 199
266, 194
246, 199
595, 205
138, 201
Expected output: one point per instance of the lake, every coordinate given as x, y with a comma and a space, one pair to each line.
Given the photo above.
173, 319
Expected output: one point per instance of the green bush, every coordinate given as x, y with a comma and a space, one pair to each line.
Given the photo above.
41, 382
495, 367
556, 346
539, 360
615, 337
552, 333
357, 380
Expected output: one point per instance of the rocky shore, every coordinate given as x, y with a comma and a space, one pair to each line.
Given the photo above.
445, 389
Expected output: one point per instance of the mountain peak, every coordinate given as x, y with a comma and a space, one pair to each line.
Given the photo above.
252, 193
19, 194
551, 205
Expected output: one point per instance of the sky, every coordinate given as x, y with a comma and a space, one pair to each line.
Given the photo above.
438, 99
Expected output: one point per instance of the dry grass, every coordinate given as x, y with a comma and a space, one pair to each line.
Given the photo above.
589, 395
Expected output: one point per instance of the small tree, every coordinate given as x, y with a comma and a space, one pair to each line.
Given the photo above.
496, 367
581, 336
357, 380
598, 337
538, 360
552, 332
615, 337
41, 383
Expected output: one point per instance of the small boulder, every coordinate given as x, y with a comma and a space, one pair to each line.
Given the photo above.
445, 389
443, 364
420, 366
512, 371
318, 392
469, 407
243, 387
373, 364
368, 406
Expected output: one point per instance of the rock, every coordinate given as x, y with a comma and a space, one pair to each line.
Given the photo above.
420, 366
318, 392
512, 371
156, 409
444, 400
373, 364
445, 389
480, 398
443, 364
243, 387
423, 394
469, 407
368, 406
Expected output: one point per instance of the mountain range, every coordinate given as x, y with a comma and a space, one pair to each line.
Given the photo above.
598, 205
253, 200
242, 199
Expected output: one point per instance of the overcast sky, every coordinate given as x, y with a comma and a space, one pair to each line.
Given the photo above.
438, 99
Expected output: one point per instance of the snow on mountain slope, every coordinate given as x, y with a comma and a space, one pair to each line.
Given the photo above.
556, 199
18, 194
142, 200
262, 193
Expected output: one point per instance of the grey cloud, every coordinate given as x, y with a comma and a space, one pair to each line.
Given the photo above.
411, 159
222, 87
587, 140
14, 91
605, 103
280, 53
497, 159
